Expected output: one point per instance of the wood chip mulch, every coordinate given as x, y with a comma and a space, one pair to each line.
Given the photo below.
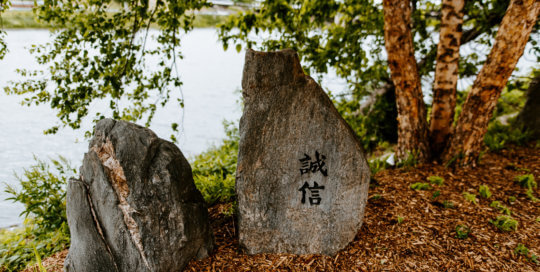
423, 238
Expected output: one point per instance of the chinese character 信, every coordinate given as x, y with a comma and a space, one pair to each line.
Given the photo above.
315, 198
313, 166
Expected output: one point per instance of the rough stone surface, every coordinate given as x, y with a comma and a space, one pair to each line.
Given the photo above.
135, 206
288, 121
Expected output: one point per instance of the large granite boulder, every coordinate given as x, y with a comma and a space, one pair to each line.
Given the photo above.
302, 177
135, 206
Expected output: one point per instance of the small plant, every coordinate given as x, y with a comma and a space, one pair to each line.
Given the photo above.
505, 223
511, 200
436, 180
538, 219
420, 186
377, 165
470, 197
448, 204
376, 197
522, 250
526, 181
436, 194
38, 261
400, 219
230, 210
484, 191
530, 195
497, 205
410, 161
462, 231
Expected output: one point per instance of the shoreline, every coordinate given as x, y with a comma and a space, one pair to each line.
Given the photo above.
25, 19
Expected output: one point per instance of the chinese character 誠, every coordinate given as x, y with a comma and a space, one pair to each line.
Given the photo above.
314, 198
313, 166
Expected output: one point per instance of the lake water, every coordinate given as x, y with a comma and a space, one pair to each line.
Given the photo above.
211, 82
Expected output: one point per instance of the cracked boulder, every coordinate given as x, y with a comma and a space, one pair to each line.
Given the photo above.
135, 206
302, 178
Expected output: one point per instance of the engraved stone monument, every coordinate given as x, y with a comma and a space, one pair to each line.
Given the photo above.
302, 178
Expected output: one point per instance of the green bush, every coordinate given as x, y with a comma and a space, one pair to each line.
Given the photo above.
43, 194
214, 171
374, 126
498, 135
505, 223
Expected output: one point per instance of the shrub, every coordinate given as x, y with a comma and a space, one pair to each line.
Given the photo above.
436, 194
420, 186
45, 227
505, 223
214, 171
436, 180
498, 135
462, 231
484, 191
375, 125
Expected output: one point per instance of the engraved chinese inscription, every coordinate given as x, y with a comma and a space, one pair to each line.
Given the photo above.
313, 166
308, 165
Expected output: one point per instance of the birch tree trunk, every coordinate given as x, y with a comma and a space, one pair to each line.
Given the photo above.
412, 125
510, 41
446, 74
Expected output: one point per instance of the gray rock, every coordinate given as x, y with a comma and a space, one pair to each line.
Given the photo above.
302, 177
135, 207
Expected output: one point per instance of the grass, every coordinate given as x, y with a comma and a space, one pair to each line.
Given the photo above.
15, 19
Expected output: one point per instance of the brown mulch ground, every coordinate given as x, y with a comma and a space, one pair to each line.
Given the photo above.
425, 239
